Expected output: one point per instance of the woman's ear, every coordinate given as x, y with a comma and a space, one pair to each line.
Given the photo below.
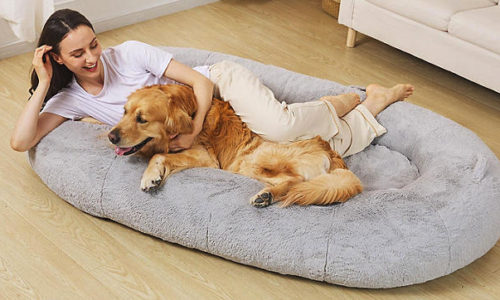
56, 57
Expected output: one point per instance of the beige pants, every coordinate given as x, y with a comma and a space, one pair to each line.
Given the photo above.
281, 122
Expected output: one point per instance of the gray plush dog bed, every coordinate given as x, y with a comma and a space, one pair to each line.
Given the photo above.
431, 203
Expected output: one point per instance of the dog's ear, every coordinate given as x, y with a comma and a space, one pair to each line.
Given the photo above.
183, 96
178, 121
181, 104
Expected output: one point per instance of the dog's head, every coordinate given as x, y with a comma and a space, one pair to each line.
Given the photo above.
152, 117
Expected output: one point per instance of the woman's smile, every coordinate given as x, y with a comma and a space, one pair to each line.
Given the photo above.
92, 68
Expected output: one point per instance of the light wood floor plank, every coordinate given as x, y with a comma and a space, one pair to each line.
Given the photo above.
32, 266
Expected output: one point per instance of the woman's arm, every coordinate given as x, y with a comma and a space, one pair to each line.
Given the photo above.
203, 90
31, 126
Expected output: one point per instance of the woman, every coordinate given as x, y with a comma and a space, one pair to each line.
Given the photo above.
81, 80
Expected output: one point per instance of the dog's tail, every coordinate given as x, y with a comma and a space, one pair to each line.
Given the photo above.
337, 186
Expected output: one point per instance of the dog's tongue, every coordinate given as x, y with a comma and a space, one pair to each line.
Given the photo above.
121, 151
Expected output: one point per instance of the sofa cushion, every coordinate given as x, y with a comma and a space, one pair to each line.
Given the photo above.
436, 14
479, 26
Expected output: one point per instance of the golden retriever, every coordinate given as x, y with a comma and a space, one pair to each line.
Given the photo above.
304, 172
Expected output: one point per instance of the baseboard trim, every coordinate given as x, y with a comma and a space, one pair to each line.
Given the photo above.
113, 22
146, 14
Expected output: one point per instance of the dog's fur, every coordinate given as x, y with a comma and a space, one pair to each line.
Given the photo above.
303, 172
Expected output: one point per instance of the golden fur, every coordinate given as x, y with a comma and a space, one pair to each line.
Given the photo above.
304, 172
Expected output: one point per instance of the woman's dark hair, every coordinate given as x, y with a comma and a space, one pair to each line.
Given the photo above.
59, 24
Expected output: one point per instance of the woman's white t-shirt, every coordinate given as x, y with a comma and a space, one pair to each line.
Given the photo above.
127, 67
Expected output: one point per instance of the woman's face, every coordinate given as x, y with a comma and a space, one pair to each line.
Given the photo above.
80, 52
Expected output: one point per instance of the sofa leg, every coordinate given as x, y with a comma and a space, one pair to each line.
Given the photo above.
351, 38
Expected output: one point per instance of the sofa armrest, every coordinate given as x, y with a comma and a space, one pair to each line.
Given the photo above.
345, 13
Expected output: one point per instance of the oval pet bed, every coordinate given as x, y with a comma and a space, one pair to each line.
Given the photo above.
431, 203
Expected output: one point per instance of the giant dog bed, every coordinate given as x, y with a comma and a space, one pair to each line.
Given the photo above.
431, 203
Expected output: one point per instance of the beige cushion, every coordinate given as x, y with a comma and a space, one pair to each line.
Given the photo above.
478, 26
433, 13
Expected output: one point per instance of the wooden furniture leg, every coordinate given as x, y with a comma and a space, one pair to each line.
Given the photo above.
351, 38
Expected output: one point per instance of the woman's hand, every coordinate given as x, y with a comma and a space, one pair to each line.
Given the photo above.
182, 142
43, 69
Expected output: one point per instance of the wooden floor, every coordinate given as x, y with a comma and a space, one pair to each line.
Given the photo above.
51, 250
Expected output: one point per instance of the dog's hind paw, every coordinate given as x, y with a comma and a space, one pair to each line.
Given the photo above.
262, 199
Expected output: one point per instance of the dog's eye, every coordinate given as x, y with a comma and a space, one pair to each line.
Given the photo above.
139, 119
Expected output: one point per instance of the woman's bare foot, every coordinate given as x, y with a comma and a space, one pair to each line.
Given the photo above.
343, 103
379, 97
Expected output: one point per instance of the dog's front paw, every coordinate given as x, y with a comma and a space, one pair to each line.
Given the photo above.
149, 185
151, 181
154, 174
262, 199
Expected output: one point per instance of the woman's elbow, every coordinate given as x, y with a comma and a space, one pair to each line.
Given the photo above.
18, 145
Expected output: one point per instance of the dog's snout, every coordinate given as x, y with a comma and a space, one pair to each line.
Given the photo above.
114, 136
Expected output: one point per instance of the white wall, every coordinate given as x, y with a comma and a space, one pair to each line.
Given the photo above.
103, 14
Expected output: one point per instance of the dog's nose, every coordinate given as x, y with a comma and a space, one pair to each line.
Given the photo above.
114, 136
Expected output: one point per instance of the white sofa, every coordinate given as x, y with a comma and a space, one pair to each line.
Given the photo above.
462, 36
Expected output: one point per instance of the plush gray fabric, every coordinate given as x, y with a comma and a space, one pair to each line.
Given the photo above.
430, 206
